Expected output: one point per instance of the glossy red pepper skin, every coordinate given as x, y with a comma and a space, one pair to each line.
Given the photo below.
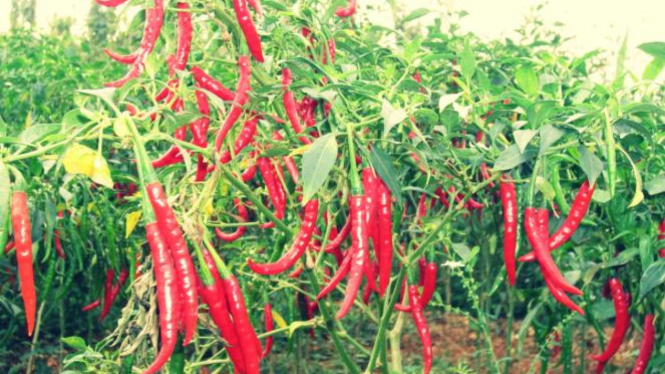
343, 270
244, 330
111, 3
385, 236
359, 239
272, 186
371, 188
170, 228
245, 137
184, 43
123, 59
153, 26
348, 10
209, 83
214, 295
248, 29
421, 326
509, 204
267, 315
621, 324
172, 155
20, 217
111, 291
646, 347
298, 247
577, 212
93, 305
167, 295
334, 243
429, 287
239, 101
244, 217
290, 106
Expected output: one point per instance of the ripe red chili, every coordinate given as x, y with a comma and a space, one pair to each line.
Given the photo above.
244, 217
20, 217
509, 204
184, 42
370, 186
290, 106
93, 305
267, 315
111, 3
248, 29
661, 237
421, 326
123, 59
346, 11
360, 251
238, 102
170, 228
428, 282
621, 324
272, 186
209, 83
385, 236
343, 270
111, 291
168, 297
297, 248
246, 335
153, 26
648, 337
577, 212
244, 138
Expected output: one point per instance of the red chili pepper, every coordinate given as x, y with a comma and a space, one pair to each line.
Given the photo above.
111, 3
248, 29
421, 325
648, 337
153, 26
93, 305
385, 236
348, 10
509, 204
168, 296
371, 188
272, 185
123, 59
244, 217
244, 138
209, 83
661, 237
170, 228
577, 212
20, 217
246, 335
332, 49
238, 102
290, 106
297, 249
214, 295
485, 173
535, 223
360, 251
621, 324
267, 315
428, 283
184, 43
111, 291
337, 241
343, 270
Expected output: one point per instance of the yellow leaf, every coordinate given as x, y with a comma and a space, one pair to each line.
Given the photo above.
132, 220
120, 127
299, 151
208, 209
281, 323
82, 160
639, 195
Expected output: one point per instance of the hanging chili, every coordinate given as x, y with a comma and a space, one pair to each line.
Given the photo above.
248, 29
244, 217
648, 337
385, 236
238, 102
621, 324
297, 248
348, 10
421, 326
93, 305
359, 251
209, 83
290, 106
509, 204
267, 315
20, 217
244, 138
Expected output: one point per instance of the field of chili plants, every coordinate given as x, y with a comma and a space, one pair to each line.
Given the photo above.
283, 187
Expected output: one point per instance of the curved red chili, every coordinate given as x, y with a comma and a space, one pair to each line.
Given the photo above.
621, 324
267, 315
385, 236
93, 305
360, 253
290, 106
111, 291
184, 43
246, 335
111, 3
421, 326
248, 29
348, 10
577, 212
168, 297
343, 270
661, 237
244, 138
244, 217
509, 204
271, 182
648, 337
209, 83
123, 59
238, 102
429, 287
297, 248
184, 267
20, 217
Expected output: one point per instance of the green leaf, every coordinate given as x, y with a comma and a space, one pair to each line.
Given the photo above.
412, 49
391, 116
655, 49
5, 193
653, 69
545, 187
382, 163
426, 116
524, 327
468, 61
75, 342
420, 12
653, 277
621, 59
73, 118
527, 79
549, 134
539, 112
523, 137
317, 161
656, 185
643, 108
512, 157
34, 134
463, 251
3, 128
590, 164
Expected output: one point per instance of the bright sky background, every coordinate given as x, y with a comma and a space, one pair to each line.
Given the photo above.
591, 23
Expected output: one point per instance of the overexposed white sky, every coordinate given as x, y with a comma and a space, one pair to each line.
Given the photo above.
592, 23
